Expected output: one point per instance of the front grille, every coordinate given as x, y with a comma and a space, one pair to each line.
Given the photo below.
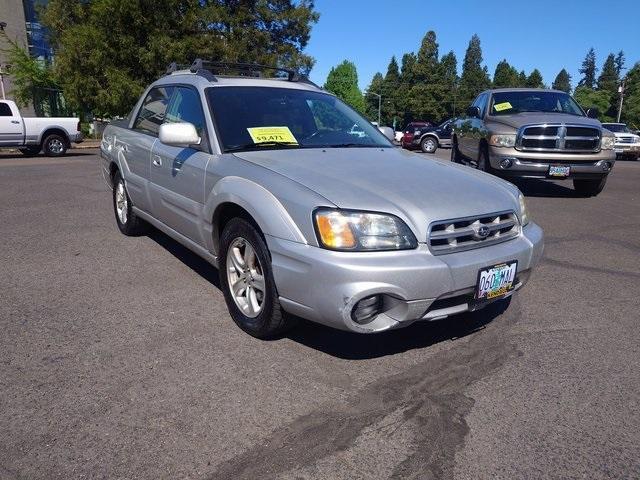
625, 139
460, 234
558, 138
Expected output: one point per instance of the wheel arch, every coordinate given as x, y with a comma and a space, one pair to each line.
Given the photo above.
55, 131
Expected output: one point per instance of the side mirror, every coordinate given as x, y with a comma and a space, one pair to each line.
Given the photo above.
388, 132
593, 112
473, 112
181, 134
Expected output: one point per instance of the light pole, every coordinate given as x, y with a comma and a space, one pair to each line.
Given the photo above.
379, 103
621, 92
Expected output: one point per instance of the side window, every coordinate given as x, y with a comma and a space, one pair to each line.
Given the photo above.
185, 106
153, 109
5, 110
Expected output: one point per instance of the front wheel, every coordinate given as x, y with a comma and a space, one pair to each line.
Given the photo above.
247, 281
428, 145
54, 145
128, 222
589, 188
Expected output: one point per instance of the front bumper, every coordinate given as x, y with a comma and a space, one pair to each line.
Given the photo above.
324, 286
536, 164
627, 149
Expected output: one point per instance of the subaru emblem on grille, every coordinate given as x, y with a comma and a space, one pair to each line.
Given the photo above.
482, 232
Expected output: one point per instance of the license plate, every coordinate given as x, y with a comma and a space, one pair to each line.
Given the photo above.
496, 281
559, 171
618, 150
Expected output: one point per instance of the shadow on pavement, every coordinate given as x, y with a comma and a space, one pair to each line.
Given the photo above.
355, 346
543, 188
186, 256
70, 153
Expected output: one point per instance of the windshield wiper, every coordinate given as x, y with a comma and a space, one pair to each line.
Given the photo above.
253, 146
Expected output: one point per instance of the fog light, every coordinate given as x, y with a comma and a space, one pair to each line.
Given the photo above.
506, 163
366, 309
606, 166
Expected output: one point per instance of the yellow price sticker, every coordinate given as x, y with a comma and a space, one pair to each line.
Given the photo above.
498, 107
271, 134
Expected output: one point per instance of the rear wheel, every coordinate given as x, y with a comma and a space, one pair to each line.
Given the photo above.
54, 145
429, 144
589, 188
456, 156
247, 281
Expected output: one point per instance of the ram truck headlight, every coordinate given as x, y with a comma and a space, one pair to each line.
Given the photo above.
636, 139
607, 143
348, 230
502, 140
524, 215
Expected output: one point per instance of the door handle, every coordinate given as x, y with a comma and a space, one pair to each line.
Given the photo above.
15, 121
157, 161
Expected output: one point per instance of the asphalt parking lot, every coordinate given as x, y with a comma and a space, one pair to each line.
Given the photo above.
118, 358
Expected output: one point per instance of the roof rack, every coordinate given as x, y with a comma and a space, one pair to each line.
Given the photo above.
209, 69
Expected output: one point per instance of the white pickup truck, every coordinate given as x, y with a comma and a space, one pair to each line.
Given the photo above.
33, 135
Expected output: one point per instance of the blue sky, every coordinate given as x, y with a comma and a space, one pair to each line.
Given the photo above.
547, 35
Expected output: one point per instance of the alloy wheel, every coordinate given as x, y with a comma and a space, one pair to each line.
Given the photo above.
245, 277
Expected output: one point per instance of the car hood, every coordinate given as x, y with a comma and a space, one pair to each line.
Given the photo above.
519, 119
391, 180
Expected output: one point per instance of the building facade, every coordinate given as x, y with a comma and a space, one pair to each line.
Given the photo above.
19, 20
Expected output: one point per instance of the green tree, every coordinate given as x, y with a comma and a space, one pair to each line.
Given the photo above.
588, 70
427, 97
407, 80
600, 99
390, 90
631, 105
608, 79
110, 50
449, 66
343, 82
474, 78
33, 80
620, 63
371, 101
522, 79
505, 76
562, 81
534, 80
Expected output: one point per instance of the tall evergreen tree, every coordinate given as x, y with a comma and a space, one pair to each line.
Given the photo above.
620, 63
522, 79
562, 81
371, 101
588, 70
343, 82
449, 66
608, 79
427, 96
407, 80
390, 90
505, 76
474, 78
631, 105
534, 80
426, 66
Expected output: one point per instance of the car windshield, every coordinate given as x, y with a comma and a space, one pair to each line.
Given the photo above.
616, 127
259, 118
509, 103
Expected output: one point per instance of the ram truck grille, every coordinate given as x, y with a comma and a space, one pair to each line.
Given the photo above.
460, 234
558, 138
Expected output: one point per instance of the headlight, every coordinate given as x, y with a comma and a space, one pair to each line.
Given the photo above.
502, 140
524, 215
362, 231
636, 140
607, 143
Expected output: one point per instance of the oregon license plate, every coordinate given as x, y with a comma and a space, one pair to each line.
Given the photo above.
496, 281
559, 171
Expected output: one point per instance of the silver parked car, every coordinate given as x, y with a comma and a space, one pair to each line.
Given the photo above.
264, 178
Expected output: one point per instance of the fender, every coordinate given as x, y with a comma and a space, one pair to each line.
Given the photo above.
45, 131
271, 216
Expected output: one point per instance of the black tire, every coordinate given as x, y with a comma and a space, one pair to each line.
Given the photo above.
483, 161
589, 188
429, 144
132, 226
271, 321
30, 151
55, 145
456, 156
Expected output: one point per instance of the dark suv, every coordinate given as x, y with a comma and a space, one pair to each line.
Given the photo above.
429, 138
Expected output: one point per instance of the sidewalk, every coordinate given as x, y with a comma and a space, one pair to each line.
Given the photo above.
87, 143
